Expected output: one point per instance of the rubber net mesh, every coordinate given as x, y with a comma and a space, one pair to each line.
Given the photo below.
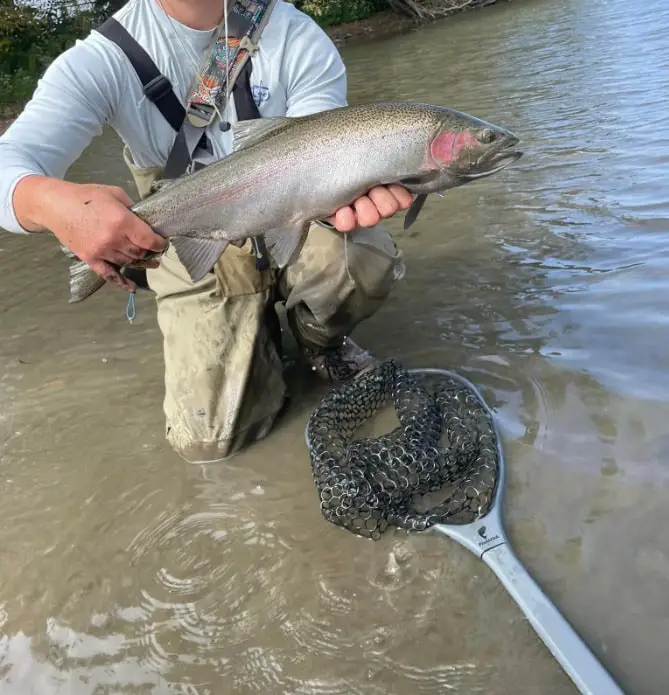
445, 446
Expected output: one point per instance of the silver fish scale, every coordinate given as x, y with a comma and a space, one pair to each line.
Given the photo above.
445, 439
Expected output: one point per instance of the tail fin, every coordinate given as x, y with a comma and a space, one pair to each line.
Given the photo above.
83, 281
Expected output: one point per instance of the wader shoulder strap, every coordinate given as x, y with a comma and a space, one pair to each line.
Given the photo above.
245, 104
157, 88
247, 20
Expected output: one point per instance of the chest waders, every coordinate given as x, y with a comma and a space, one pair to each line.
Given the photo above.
246, 22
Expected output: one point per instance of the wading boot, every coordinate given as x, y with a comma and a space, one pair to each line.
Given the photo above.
338, 363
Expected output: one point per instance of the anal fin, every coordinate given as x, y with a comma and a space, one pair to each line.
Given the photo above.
198, 256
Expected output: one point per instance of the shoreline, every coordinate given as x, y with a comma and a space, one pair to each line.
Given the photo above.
379, 25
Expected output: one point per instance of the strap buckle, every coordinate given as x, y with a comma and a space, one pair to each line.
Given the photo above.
200, 115
246, 44
157, 88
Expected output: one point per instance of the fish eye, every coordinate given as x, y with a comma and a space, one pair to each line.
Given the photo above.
486, 136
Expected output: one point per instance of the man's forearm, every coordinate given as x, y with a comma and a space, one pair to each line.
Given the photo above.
77, 94
31, 201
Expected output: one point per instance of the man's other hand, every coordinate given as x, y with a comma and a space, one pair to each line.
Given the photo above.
379, 204
93, 221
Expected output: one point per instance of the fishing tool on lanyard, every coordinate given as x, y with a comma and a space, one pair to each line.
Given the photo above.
447, 439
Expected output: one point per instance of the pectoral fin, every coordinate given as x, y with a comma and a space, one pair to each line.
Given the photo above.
198, 256
423, 183
414, 210
436, 181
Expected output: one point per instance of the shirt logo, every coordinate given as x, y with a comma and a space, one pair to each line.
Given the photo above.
260, 93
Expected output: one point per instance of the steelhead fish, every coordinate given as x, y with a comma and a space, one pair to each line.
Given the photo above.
285, 173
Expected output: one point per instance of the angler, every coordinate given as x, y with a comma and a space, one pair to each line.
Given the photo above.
156, 73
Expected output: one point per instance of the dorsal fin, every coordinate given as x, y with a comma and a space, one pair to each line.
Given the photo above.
247, 133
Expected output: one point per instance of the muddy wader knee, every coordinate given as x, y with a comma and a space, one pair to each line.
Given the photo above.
336, 281
223, 372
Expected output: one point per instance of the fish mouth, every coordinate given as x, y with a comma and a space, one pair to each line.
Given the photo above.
496, 158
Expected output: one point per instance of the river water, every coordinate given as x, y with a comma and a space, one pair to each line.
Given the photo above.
125, 570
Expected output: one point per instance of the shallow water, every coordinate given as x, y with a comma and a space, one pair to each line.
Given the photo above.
125, 570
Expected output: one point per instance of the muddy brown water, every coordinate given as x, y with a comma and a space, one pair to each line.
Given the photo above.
125, 570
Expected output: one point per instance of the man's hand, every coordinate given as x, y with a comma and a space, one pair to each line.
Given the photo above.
380, 203
93, 221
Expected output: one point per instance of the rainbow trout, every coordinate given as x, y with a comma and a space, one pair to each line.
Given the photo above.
285, 173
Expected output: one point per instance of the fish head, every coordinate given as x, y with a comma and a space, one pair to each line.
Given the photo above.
466, 148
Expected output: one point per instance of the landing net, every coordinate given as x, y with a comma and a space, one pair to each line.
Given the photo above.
445, 445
